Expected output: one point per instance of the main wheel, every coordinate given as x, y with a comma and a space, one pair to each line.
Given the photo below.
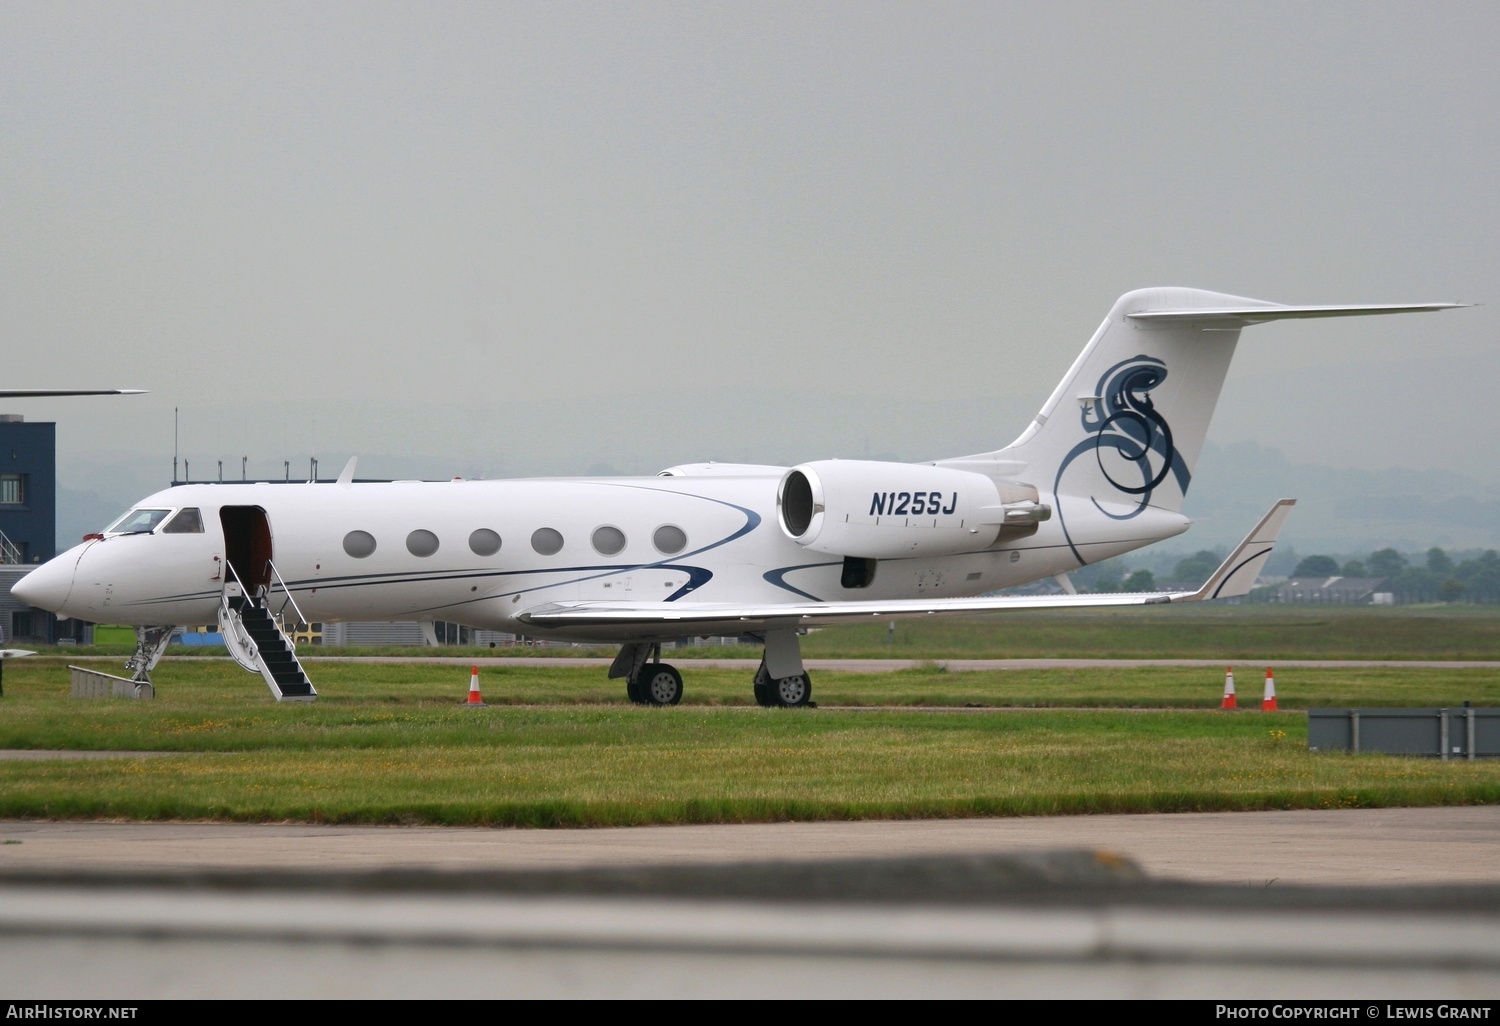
660, 684
635, 688
792, 692
765, 688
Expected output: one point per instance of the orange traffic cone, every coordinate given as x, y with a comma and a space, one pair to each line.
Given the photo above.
1228, 702
1268, 699
474, 698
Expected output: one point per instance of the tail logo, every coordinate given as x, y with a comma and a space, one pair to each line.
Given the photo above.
1129, 439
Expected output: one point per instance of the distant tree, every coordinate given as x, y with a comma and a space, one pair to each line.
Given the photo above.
1107, 582
1196, 567
1317, 566
1281, 561
1480, 577
1354, 568
1450, 590
1386, 563
1416, 584
1438, 561
1141, 580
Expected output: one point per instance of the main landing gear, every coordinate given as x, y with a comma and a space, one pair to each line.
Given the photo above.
780, 682
648, 680
785, 693
656, 684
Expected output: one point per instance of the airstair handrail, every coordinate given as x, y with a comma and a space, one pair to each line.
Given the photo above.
288, 592
9, 552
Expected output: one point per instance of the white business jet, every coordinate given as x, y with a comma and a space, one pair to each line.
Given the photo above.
704, 549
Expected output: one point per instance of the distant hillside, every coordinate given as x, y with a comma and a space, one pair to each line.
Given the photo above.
1339, 509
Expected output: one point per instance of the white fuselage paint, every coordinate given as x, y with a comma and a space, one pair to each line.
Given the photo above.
736, 552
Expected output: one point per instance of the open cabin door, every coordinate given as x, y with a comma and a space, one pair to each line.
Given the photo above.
254, 637
247, 546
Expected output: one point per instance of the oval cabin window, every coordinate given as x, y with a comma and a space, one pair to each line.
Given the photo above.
484, 542
421, 543
669, 539
608, 540
359, 544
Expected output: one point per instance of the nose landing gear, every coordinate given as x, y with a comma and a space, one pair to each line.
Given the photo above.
150, 646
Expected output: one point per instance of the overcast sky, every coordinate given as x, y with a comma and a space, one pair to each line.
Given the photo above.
498, 238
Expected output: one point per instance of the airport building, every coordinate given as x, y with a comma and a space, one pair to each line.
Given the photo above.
28, 524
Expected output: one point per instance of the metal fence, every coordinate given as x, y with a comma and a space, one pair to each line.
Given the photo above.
1463, 733
94, 684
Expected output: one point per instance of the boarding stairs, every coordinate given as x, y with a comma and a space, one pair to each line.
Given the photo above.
256, 640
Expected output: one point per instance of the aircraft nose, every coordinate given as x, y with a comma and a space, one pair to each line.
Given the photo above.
47, 586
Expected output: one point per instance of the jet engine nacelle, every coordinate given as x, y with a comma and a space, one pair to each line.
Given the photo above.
876, 510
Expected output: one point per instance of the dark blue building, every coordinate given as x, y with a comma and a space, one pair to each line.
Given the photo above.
28, 523
28, 490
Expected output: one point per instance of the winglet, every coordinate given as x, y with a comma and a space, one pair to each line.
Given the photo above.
1236, 575
346, 476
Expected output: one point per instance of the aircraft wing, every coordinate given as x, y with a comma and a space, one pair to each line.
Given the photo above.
37, 393
1234, 577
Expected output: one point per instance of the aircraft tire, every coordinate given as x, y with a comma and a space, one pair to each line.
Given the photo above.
635, 688
793, 692
660, 684
764, 688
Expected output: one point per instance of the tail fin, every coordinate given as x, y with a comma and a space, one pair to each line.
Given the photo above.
1126, 424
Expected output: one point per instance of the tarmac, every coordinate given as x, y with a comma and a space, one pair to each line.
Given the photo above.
1340, 903
1344, 847
1357, 904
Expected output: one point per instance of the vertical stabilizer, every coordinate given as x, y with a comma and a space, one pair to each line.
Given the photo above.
1126, 425
1122, 433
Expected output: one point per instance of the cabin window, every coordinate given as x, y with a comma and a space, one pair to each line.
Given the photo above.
668, 539
421, 543
608, 540
187, 521
546, 541
359, 544
12, 489
484, 542
139, 521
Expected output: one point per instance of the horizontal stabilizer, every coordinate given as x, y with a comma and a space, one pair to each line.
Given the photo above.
39, 393
1238, 316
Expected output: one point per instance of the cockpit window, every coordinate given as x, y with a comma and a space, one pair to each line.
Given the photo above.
139, 521
187, 521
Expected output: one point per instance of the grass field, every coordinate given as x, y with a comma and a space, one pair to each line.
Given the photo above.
392, 743
1253, 631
